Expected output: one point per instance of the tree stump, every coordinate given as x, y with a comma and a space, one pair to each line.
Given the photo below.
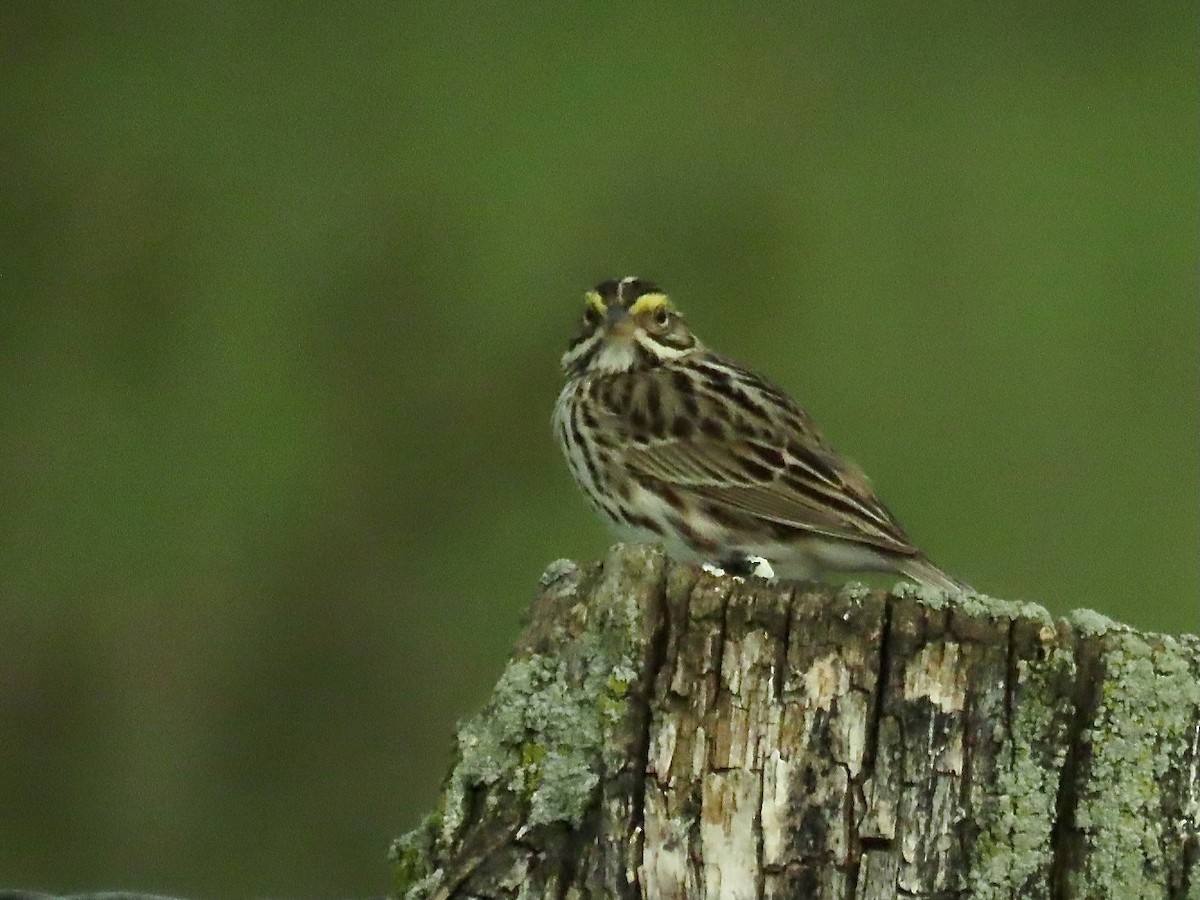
662, 732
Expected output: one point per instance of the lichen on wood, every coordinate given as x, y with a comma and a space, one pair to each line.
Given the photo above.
664, 732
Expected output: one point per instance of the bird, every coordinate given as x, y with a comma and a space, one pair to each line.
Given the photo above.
675, 445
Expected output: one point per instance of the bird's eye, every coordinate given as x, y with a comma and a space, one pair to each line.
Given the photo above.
661, 317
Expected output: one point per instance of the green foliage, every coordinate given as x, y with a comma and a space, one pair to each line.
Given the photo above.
282, 294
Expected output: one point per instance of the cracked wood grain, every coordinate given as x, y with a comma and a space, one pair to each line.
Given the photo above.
663, 733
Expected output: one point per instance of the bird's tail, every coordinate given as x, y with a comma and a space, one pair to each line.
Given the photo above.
922, 571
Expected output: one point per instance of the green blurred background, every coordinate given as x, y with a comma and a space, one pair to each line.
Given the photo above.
282, 295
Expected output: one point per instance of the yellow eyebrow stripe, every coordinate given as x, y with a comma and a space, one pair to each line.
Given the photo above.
648, 302
595, 301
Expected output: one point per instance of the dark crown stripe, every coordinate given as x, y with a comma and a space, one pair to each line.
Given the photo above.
625, 290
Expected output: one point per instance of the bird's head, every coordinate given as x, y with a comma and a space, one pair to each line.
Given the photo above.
627, 324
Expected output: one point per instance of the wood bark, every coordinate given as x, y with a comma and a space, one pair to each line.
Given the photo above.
663, 732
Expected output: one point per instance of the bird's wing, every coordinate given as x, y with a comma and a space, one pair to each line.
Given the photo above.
749, 448
806, 488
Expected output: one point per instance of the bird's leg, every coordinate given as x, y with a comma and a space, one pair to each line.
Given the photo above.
738, 565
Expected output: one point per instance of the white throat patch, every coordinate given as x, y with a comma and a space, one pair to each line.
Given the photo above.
615, 356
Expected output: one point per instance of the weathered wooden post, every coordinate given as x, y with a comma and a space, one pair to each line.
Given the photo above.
661, 732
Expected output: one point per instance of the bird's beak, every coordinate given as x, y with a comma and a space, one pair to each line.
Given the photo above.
620, 323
